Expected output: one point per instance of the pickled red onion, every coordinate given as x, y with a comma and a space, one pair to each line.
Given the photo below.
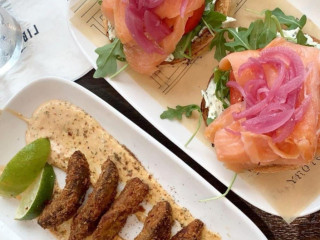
146, 28
155, 27
135, 25
268, 122
272, 109
149, 4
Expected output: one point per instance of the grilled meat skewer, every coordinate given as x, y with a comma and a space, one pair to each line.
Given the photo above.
191, 232
98, 202
126, 204
158, 223
66, 204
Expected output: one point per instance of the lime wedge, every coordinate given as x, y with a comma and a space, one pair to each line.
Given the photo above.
37, 195
24, 167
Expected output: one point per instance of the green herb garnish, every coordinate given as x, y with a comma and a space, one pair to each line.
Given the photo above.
209, 120
185, 43
222, 91
225, 193
254, 38
219, 42
211, 19
107, 60
258, 35
210, 5
301, 38
289, 21
179, 111
240, 39
269, 30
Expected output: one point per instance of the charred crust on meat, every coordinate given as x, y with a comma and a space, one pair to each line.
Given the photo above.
192, 231
65, 205
158, 223
99, 201
125, 204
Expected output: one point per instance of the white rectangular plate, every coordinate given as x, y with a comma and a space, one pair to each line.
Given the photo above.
186, 186
177, 133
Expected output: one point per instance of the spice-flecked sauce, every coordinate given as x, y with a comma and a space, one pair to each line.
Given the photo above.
69, 129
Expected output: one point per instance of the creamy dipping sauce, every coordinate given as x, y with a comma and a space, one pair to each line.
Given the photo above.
69, 129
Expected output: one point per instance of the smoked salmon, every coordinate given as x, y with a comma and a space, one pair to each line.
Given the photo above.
168, 12
241, 149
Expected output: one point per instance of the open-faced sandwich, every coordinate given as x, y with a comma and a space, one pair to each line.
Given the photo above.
262, 104
148, 33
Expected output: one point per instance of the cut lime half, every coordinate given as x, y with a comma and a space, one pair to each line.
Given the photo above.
37, 195
24, 167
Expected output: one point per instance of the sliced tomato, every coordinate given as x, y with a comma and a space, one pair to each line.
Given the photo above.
194, 20
235, 95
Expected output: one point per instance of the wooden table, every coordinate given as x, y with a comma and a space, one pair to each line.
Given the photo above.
304, 228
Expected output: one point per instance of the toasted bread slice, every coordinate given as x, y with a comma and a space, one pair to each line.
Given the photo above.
204, 109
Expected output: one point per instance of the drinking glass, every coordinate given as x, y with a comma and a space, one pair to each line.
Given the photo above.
10, 41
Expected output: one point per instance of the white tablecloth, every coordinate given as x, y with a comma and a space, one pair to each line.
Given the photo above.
49, 49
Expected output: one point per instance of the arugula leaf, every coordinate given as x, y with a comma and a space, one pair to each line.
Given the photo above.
240, 39
259, 34
301, 38
269, 30
209, 120
107, 59
99, 2
222, 91
210, 5
213, 19
289, 21
185, 43
177, 113
219, 42
254, 37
